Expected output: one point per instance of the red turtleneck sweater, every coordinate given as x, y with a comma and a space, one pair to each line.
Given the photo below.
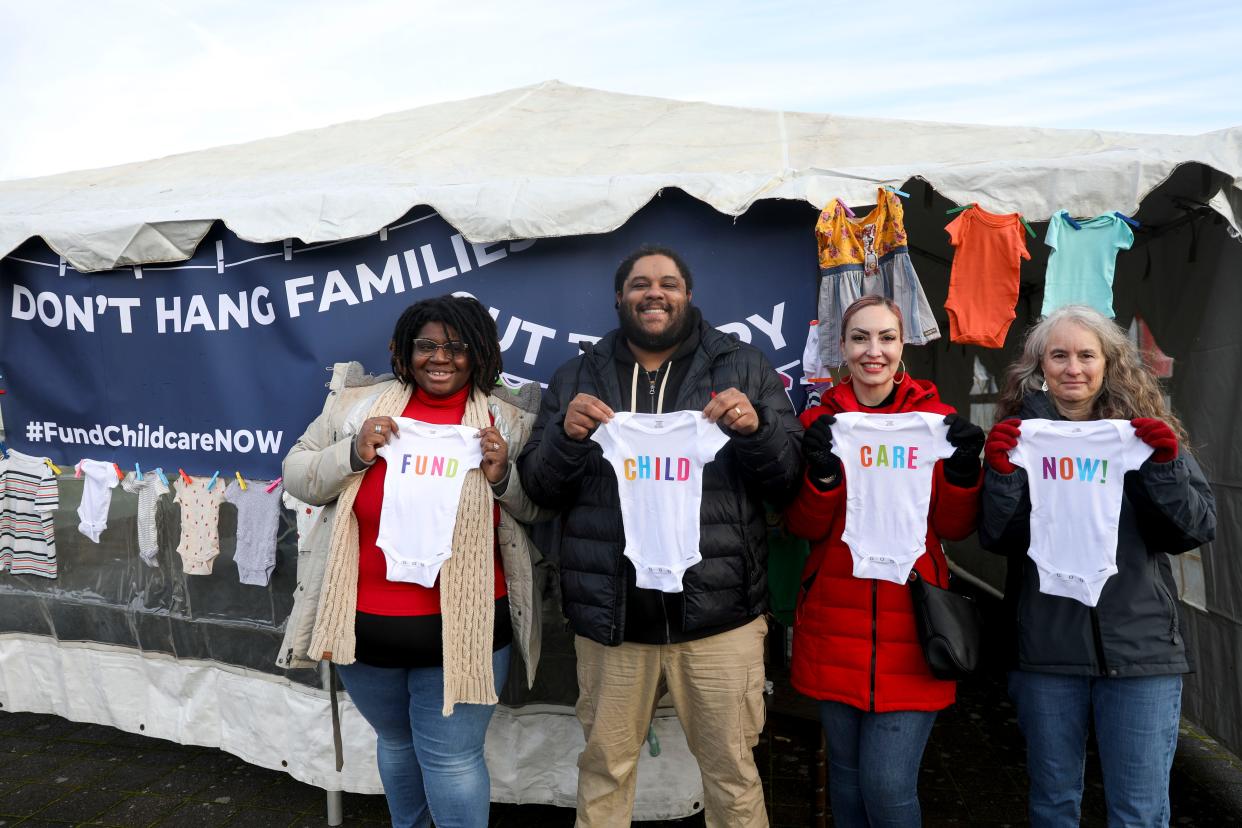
376, 594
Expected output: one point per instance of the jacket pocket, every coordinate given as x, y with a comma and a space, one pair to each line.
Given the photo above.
1171, 602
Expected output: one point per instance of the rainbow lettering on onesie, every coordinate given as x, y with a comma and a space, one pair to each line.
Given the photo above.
1082, 469
429, 465
893, 457
646, 467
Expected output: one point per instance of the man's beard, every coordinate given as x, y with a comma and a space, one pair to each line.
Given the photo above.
670, 337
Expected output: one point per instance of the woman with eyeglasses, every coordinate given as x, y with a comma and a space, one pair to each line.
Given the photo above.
413, 468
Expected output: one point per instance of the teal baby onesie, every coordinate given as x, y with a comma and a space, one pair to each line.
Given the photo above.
1082, 263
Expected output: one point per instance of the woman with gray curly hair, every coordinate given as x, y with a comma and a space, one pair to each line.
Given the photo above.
1106, 650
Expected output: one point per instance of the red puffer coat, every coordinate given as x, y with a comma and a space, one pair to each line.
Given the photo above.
854, 638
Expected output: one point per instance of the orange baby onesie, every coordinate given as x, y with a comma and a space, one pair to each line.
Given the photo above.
983, 285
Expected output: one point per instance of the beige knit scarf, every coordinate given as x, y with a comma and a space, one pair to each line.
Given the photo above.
467, 579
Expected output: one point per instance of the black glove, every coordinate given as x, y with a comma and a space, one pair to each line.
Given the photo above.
822, 466
962, 468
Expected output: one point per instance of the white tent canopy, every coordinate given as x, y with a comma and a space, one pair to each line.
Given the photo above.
559, 160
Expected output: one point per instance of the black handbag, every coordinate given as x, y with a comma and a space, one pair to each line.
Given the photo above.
949, 628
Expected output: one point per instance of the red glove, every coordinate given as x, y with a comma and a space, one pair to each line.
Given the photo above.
1002, 439
1158, 435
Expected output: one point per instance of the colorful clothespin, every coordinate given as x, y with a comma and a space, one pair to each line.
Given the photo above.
214, 478
137, 472
163, 479
4, 450
188, 480
271, 487
846, 208
1130, 221
120, 475
1022, 219
959, 209
240, 482
55, 468
1070, 221
77, 470
896, 191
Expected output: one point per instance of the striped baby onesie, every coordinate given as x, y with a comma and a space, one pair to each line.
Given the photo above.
28, 499
148, 489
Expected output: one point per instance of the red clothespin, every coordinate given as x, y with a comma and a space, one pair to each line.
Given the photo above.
271, 487
120, 475
77, 470
188, 480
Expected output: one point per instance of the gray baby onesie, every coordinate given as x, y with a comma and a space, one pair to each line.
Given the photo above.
258, 514
148, 489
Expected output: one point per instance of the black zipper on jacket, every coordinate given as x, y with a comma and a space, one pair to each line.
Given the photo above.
875, 637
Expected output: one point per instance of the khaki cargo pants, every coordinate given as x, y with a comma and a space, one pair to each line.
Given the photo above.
716, 686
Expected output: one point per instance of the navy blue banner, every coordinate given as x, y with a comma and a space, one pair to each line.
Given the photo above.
218, 363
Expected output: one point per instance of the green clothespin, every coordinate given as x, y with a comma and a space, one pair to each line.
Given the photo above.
1022, 219
959, 209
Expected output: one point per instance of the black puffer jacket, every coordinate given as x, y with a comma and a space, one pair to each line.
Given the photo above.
730, 583
1134, 628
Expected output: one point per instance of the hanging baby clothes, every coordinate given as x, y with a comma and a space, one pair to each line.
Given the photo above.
200, 524
1082, 263
149, 489
258, 514
307, 516
1076, 474
865, 256
98, 480
28, 499
427, 466
983, 285
659, 460
889, 460
815, 375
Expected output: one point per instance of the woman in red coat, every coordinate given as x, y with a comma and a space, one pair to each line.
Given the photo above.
855, 647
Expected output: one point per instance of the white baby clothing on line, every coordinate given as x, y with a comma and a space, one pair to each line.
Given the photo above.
305, 514
200, 524
149, 489
659, 460
426, 468
889, 461
28, 501
98, 480
258, 514
1076, 472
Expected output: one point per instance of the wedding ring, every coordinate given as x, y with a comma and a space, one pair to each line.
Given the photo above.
738, 411
495, 446
379, 429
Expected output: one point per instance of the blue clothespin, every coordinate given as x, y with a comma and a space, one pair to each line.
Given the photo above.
896, 191
137, 471
1132, 222
4, 450
1070, 221
214, 478
163, 479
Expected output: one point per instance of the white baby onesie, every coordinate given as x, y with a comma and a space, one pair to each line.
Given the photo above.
306, 515
889, 460
149, 489
200, 524
1076, 472
427, 465
659, 460
98, 480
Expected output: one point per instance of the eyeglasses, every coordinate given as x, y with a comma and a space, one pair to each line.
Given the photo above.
452, 348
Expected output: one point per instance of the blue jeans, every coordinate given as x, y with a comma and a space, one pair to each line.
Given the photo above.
1135, 728
431, 765
873, 765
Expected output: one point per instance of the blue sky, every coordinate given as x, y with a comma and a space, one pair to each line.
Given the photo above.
94, 84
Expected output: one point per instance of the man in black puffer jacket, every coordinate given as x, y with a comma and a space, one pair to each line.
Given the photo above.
705, 643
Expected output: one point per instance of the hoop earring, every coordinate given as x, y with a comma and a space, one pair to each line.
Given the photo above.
902, 366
